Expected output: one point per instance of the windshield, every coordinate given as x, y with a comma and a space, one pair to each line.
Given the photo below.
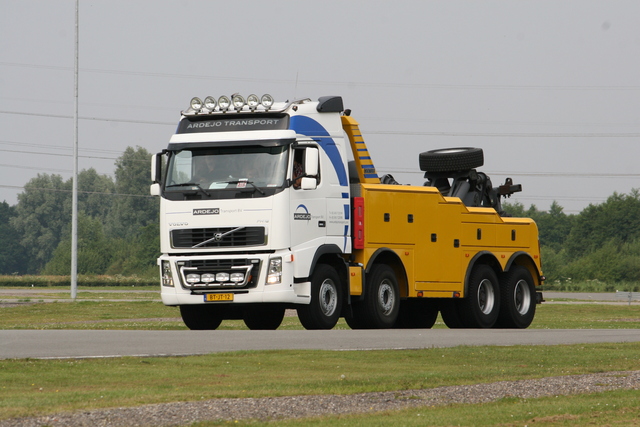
204, 170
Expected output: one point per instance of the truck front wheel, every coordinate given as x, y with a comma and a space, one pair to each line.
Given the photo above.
481, 306
518, 305
263, 316
203, 316
324, 309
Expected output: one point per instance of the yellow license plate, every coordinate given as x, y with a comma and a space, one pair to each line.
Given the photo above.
218, 297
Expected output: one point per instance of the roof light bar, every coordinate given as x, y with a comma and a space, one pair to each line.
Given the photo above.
224, 103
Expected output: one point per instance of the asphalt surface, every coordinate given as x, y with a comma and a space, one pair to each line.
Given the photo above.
101, 343
117, 343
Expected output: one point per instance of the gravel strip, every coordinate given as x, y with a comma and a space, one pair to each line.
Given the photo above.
271, 408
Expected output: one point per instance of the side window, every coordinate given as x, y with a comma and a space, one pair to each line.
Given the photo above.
300, 169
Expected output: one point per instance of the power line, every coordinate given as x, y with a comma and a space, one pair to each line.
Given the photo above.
60, 190
100, 119
56, 154
536, 174
38, 168
510, 134
331, 83
380, 132
57, 147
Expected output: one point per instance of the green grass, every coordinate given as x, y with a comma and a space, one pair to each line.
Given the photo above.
618, 407
33, 280
148, 314
35, 387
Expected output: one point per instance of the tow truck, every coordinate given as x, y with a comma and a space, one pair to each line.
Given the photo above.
267, 206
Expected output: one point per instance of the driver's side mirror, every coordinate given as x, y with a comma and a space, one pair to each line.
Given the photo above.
156, 168
154, 189
311, 162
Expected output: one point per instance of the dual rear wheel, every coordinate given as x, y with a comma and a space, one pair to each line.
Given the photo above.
508, 302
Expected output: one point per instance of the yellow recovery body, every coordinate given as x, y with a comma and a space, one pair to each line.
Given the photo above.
435, 245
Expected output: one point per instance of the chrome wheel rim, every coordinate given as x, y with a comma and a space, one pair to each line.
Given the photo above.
328, 297
486, 296
386, 297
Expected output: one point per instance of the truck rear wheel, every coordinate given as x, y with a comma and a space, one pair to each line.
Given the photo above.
324, 309
481, 306
450, 312
418, 313
381, 304
263, 316
518, 299
203, 316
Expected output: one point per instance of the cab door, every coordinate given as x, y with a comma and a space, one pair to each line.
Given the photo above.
307, 201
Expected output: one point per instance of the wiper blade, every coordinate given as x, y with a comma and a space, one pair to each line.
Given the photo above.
191, 184
247, 182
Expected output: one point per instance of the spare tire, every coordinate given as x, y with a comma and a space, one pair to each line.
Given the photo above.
451, 159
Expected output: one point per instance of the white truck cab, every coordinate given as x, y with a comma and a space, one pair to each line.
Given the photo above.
251, 198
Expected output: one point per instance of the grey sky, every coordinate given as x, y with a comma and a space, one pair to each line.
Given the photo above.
549, 89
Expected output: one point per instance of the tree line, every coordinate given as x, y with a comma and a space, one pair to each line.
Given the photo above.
600, 243
118, 229
117, 223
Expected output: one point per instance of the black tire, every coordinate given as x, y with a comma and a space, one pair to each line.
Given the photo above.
327, 298
354, 317
451, 159
481, 306
418, 313
266, 317
381, 304
449, 310
203, 316
518, 299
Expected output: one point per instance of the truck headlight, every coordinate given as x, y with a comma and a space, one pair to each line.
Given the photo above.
274, 273
167, 277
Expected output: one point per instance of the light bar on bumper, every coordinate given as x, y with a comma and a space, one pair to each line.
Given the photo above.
200, 278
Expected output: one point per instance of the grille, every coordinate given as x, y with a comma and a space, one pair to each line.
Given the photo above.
221, 237
252, 266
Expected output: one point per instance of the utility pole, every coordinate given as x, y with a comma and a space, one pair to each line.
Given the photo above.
74, 200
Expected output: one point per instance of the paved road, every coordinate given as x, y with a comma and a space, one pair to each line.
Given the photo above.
101, 343
19, 294
90, 343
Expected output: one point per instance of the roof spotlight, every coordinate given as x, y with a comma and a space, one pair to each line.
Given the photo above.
238, 101
196, 104
266, 101
224, 103
210, 103
253, 101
